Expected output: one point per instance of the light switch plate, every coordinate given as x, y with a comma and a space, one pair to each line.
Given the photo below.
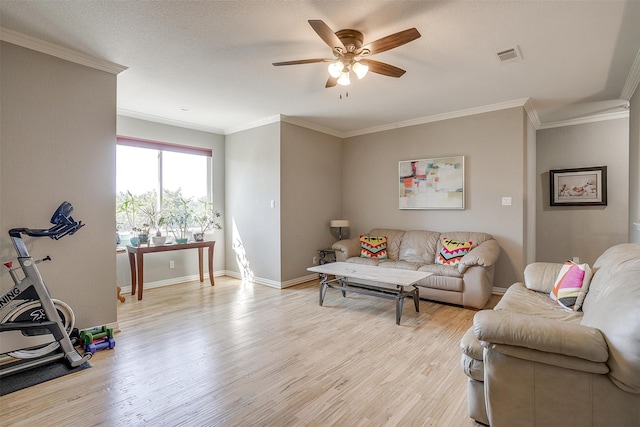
506, 201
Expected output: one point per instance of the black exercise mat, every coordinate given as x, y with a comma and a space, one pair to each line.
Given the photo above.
37, 375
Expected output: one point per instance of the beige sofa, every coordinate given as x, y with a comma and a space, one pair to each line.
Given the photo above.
531, 362
468, 283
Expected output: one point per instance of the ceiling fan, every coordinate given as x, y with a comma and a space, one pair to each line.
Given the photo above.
350, 54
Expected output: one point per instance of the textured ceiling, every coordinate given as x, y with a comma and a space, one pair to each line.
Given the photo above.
214, 57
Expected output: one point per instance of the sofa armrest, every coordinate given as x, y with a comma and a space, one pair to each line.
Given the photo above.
540, 276
485, 254
346, 249
545, 335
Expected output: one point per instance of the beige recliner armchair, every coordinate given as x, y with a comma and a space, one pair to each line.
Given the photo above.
531, 362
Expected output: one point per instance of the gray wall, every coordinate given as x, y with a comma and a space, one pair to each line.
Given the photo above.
634, 167
494, 147
58, 122
570, 231
157, 269
311, 190
252, 164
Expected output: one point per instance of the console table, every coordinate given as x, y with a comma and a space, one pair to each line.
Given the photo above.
136, 256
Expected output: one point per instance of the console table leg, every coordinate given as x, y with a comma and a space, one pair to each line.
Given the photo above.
140, 259
200, 264
210, 256
132, 265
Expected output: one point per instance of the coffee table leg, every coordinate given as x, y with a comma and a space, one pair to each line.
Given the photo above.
399, 304
416, 299
323, 288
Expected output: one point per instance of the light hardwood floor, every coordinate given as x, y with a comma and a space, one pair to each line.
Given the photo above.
240, 354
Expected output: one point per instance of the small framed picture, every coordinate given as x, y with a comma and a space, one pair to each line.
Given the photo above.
578, 187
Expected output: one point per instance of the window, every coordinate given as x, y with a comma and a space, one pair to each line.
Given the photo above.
152, 177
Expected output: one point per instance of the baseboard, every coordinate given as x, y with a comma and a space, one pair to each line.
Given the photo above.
273, 283
169, 282
498, 291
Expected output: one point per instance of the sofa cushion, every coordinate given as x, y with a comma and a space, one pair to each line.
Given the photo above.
452, 251
373, 247
519, 299
364, 261
401, 265
441, 270
571, 285
394, 237
419, 246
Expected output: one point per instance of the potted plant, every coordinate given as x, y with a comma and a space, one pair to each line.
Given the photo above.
154, 220
205, 217
178, 216
129, 207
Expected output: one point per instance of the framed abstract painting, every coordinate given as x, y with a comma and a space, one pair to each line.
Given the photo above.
432, 183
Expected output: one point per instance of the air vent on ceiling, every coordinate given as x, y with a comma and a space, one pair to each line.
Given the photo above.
510, 55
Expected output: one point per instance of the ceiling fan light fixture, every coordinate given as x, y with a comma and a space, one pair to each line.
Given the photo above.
335, 68
360, 69
344, 80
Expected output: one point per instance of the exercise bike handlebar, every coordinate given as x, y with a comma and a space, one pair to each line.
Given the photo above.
64, 224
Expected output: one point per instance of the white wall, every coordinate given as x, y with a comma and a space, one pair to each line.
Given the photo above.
564, 232
252, 164
634, 168
58, 124
157, 269
311, 167
494, 148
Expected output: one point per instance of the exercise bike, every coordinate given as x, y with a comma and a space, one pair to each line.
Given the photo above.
33, 326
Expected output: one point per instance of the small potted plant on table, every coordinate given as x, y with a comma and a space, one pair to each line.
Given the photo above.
130, 208
206, 218
154, 220
178, 215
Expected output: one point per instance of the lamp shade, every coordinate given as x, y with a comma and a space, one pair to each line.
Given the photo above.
360, 69
338, 223
335, 69
344, 80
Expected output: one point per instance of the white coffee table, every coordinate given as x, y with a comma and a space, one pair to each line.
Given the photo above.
389, 283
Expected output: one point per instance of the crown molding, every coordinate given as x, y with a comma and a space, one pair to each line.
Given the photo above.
162, 120
532, 113
584, 120
251, 125
632, 81
41, 46
312, 126
440, 117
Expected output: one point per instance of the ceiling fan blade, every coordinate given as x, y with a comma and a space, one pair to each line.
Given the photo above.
392, 41
331, 82
326, 34
382, 68
303, 61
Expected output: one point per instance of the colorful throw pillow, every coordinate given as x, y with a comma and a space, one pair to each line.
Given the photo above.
572, 285
452, 251
373, 247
